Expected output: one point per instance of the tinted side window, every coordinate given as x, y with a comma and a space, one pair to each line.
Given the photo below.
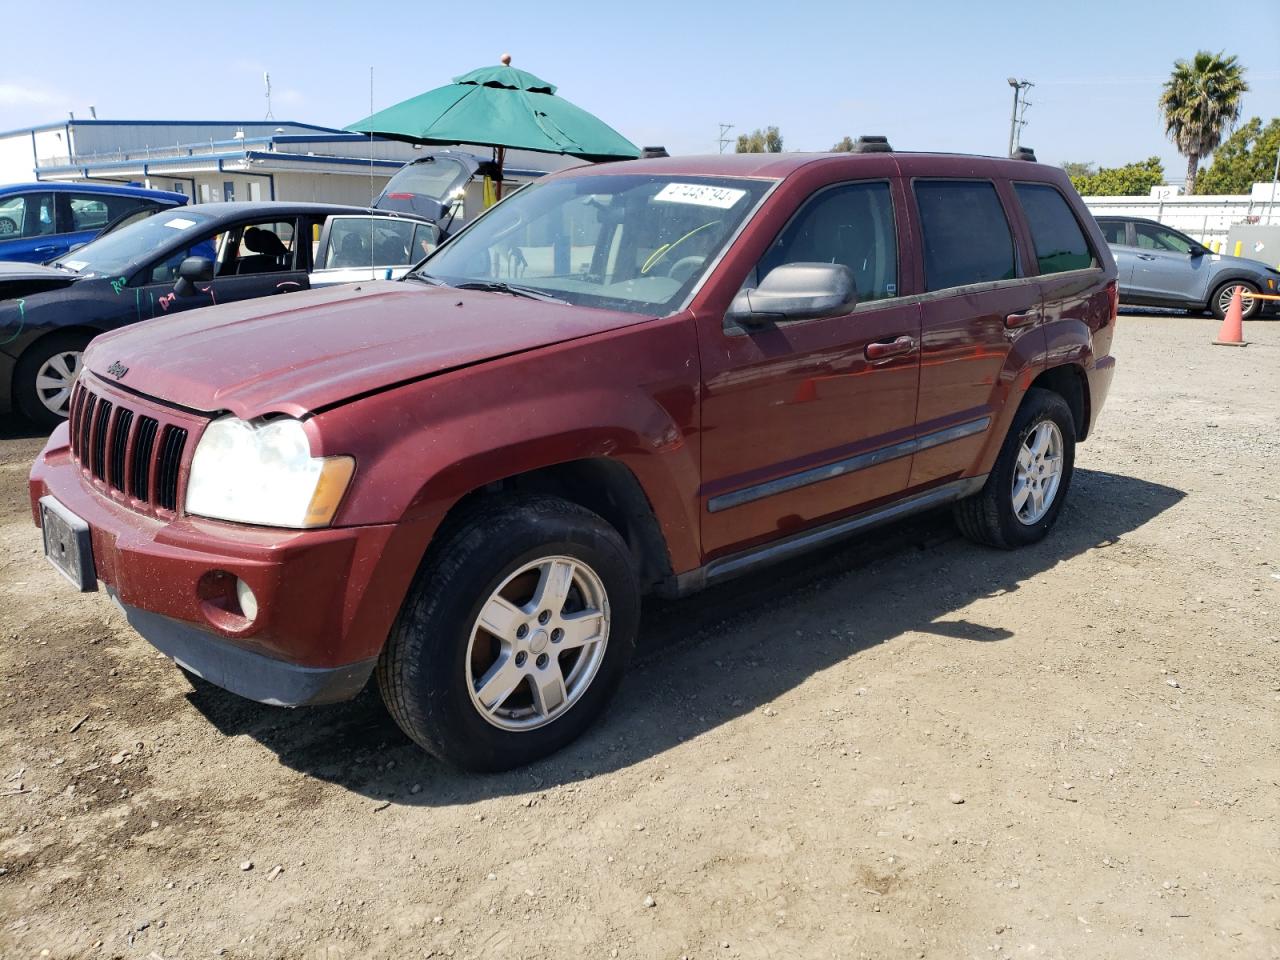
1059, 241
966, 236
369, 241
851, 224
1113, 232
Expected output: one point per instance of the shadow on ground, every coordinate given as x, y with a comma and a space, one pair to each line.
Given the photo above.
14, 427
704, 660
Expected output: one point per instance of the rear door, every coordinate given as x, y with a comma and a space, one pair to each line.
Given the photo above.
802, 420
1118, 234
978, 304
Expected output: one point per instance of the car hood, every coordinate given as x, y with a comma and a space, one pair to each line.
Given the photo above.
31, 276
300, 352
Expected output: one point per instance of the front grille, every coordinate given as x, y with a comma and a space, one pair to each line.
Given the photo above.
129, 452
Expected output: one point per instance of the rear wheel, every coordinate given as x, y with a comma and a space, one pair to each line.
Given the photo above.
514, 636
44, 376
1025, 490
1221, 300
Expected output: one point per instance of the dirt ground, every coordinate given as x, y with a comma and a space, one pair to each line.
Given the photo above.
908, 747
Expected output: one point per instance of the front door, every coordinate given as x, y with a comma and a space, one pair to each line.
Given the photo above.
977, 306
1167, 267
252, 259
806, 420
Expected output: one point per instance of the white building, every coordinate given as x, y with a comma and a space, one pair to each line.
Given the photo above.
223, 160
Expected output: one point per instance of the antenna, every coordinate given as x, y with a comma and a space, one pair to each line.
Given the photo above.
724, 135
372, 273
266, 81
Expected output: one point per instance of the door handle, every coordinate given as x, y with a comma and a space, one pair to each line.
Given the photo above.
288, 286
884, 349
47, 248
1021, 319
1146, 256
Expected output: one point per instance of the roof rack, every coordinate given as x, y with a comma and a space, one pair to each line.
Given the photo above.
871, 144
1023, 153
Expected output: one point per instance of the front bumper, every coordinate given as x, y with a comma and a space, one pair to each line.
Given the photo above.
326, 598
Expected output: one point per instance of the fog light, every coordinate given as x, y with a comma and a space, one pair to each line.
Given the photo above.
248, 602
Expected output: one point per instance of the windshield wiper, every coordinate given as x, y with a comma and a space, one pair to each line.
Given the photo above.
499, 286
425, 278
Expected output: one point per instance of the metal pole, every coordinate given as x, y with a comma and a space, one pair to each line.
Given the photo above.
1013, 120
1274, 175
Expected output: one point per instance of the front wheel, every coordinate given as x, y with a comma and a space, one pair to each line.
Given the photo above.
1220, 303
1024, 492
44, 376
514, 636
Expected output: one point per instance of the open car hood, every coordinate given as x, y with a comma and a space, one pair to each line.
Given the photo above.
301, 352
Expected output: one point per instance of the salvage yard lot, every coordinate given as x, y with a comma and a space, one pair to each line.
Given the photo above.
907, 747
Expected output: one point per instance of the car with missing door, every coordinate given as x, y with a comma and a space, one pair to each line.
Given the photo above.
1158, 266
178, 260
628, 379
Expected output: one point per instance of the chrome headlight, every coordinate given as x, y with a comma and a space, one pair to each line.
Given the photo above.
262, 472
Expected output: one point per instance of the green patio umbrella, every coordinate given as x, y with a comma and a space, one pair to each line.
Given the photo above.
503, 108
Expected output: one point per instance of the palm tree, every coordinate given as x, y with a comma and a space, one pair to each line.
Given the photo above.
1201, 102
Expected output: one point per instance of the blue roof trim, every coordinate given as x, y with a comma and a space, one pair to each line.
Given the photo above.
147, 164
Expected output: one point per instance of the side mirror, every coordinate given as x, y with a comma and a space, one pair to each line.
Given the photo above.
1200, 251
796, 291
192, 271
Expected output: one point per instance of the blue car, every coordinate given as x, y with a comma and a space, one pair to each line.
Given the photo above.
40, 221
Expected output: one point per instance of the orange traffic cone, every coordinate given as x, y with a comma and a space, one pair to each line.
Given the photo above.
1231, 333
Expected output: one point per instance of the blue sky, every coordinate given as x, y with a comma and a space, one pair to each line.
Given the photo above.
932, 76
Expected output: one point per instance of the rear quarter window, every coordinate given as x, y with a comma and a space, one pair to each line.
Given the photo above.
966, 234
1060, 243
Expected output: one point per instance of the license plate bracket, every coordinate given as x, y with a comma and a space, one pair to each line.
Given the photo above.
68, 545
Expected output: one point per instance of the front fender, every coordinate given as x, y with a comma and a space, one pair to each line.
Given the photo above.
628, 395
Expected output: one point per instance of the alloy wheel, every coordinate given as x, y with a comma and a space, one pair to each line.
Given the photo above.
1038, 473
537, 643
1247, 303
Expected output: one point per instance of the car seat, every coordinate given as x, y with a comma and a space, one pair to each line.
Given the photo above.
352, 252
270, 253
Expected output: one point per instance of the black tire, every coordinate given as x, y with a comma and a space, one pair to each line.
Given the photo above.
1251, 307
25, 394
988, 517
423, 671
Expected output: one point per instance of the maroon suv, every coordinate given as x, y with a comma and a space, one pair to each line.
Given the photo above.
635, 377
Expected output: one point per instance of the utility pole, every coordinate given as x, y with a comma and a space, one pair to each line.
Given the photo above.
1017, 119
724, 135
1275, 175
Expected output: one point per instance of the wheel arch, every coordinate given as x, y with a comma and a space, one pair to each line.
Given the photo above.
1069, 382
603, 485
23, 357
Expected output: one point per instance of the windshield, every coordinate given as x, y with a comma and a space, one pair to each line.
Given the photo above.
627, 242
120, 250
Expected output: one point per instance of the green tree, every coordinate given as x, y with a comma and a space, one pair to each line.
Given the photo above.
844, 146
768, 140
1079, 169
1131, 180
1200, 103
1246, 157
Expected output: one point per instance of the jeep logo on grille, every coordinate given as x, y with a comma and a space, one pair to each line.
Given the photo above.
117, 370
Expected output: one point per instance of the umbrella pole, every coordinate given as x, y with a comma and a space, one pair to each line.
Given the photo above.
500, 156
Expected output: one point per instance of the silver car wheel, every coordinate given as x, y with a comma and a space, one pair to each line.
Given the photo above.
1038, 473
55, 378
1247, 303
538, 643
